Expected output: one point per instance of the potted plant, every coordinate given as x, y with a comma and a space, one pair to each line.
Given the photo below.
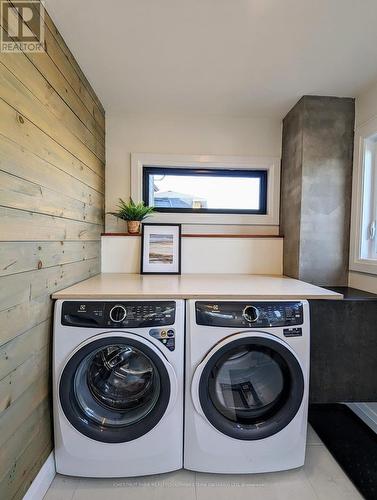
133, 213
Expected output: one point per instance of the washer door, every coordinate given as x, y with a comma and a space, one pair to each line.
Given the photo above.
249, 387
116, 388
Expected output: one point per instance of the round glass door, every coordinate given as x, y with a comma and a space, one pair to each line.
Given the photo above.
251, 388
114, 389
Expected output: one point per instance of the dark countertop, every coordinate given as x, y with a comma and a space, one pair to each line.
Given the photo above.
352, 293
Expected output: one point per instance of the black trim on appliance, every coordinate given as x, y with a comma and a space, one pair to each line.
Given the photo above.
276, 416
235, 314
260, 174
139, 314
103, 433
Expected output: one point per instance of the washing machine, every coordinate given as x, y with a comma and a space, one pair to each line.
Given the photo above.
118, 372
247, 375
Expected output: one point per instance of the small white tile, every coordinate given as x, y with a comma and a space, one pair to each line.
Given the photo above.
234, 487
62, 488
326, 477
286, 485
292, 485
179, 485
321, 477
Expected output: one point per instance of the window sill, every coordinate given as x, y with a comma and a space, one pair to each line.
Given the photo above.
367, 266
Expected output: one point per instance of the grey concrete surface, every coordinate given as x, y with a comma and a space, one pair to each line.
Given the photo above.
316, 189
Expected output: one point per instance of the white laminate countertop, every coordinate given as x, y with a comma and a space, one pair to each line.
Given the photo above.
193, 286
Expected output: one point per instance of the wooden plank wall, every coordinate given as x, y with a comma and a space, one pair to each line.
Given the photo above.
52, 155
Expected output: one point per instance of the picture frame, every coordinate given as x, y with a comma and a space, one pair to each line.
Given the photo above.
160, 248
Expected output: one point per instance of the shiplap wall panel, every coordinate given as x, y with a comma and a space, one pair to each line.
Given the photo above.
19, 161
14, 354
21, 318
17, 95
25, 133
22, 409
73, 61
24, 435
31, 255
56, 79
21, 194
20, 67
54, 52
19, 380
51, 217
31, 226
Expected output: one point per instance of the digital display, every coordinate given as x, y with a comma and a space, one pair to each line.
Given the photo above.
118, 314
244, 314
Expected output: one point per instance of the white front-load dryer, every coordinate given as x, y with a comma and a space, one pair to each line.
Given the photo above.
118, 387
247, 375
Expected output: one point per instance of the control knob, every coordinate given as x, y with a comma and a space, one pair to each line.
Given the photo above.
250, 314
118, 313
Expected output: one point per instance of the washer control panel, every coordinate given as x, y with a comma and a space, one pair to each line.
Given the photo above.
165, 335
118, 314
249, 314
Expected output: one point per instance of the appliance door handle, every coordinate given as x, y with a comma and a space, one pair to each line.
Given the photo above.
173, 386
195, 388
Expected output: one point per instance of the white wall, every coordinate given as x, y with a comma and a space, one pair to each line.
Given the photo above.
366, 109
199, 134
121, 254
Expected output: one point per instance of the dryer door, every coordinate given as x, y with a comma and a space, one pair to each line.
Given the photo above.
116, 388
249, 386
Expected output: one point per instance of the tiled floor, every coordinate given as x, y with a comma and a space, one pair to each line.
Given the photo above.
320, 478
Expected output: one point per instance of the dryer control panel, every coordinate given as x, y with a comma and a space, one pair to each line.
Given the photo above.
249, 314
118, 314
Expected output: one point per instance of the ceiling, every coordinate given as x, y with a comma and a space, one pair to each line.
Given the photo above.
233, 57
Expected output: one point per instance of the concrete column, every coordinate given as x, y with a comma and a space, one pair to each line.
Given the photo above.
316, 189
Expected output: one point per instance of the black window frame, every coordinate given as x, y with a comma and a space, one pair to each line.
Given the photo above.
261, 174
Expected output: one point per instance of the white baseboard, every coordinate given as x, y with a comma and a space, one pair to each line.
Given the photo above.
367, 412
43, 480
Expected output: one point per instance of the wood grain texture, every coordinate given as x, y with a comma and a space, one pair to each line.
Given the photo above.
18, 95
20, 161
52, 152
24, 70
32, 255
19, 225
26, 134
14, 354
12, 448
55, 53
24, 195
55, 33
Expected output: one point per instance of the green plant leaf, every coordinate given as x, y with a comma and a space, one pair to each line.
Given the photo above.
132, 210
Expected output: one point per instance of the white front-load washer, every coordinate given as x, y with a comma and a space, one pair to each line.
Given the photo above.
247, 375
118, 387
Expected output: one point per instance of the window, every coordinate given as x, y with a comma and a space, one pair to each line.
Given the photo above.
208, 189
190, 190
368, 248
364, 210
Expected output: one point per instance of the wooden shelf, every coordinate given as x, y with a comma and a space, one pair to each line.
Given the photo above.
120, 234
209, 235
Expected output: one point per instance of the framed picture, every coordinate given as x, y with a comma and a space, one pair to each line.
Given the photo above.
161, 249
